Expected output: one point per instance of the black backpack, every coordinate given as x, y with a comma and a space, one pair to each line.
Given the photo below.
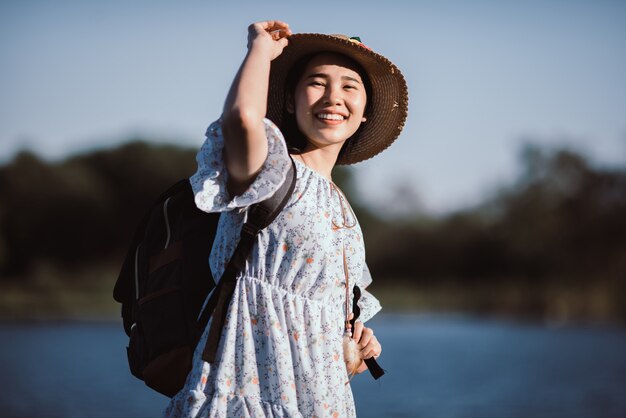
165, 280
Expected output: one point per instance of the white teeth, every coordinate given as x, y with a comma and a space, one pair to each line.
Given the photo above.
330, 116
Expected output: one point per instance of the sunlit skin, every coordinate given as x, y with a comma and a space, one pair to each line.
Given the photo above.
329, 102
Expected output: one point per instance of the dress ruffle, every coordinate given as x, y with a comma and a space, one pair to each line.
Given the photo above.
230, 405
209, 181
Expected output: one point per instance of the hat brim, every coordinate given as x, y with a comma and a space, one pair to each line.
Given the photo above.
388, 104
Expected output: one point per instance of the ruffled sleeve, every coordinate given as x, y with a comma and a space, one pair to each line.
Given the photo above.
209, 182
368, 304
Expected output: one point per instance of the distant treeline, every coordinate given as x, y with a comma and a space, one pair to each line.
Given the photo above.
563, 221
83, 209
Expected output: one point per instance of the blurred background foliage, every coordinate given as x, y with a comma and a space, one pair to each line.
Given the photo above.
549, 246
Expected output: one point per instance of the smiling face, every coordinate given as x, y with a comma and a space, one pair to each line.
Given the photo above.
329, 101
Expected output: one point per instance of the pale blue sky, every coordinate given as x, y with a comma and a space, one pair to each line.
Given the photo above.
483, 76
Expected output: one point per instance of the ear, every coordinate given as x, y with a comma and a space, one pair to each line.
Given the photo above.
363, 119
289, 105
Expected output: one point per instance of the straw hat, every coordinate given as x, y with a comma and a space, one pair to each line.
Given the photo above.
387, 104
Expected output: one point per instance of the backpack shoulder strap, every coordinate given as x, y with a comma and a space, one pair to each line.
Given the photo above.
260, 216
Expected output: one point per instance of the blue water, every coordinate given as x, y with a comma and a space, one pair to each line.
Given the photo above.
452, 367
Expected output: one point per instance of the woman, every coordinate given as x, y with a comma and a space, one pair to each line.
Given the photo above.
281, 352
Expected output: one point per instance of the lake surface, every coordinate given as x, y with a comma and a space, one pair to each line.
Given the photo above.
437, 367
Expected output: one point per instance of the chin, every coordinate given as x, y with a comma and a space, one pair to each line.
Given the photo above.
322, 143
338, 139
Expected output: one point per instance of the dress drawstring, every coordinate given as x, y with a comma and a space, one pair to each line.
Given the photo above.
346, 223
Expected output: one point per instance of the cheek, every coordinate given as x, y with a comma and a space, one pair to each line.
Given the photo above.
359, 105
302, 111
304, 101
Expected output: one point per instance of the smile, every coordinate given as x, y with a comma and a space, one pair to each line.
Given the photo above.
330, 116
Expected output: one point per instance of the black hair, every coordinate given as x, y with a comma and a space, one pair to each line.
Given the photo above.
296, 140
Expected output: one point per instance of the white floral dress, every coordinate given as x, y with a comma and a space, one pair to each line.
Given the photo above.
280, 353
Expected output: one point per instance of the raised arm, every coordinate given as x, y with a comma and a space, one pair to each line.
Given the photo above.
245, 144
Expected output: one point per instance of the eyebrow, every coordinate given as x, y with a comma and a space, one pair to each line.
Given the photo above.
343, 77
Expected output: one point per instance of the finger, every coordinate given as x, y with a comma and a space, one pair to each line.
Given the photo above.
274, 26
268, 26
358, 330
373, 349
277, 24
361, 368
367, 352
259, 26
366, 336
279, 34
282, 32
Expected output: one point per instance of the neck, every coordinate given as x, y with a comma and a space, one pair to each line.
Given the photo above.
321, 160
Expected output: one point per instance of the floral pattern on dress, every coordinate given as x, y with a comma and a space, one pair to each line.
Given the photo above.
280, 353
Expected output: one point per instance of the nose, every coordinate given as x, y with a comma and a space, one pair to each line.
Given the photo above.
332, 95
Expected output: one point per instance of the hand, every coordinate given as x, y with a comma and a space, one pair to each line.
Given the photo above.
368, 343
270, 34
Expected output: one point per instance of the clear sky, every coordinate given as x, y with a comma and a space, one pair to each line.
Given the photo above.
484, 76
